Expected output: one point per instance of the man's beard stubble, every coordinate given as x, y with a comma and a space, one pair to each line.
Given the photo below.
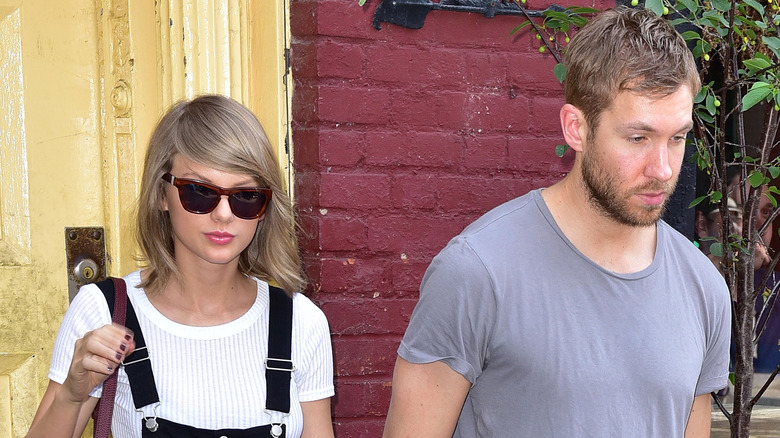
604, 195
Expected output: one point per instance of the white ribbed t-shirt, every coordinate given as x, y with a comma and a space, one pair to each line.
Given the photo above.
207, 377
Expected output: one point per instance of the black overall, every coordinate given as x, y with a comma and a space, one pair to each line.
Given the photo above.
278, 373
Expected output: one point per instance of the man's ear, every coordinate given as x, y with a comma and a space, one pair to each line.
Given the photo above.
573, 126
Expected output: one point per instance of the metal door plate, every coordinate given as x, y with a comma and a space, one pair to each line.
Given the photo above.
85, 252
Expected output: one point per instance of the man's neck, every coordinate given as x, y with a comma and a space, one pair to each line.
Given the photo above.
610, 244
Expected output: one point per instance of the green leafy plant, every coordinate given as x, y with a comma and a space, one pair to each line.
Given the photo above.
737, 46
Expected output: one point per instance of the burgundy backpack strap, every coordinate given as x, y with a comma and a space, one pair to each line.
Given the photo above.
115, 291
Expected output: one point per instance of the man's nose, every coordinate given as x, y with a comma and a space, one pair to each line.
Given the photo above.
657, 165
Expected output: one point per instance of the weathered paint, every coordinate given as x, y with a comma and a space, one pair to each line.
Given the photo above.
82, 85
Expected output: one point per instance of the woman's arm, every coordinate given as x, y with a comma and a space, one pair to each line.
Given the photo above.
59, 417
316, 419
66, 408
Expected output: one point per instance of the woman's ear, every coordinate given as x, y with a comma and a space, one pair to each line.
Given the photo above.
163, 202
573, 126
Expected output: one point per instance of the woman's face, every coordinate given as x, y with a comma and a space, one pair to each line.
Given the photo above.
207, 240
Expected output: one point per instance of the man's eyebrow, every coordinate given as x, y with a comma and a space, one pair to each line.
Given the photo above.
641, 126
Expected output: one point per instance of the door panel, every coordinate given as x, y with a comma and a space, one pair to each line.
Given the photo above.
82, 84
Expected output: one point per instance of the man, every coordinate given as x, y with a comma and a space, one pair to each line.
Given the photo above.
708, 224
574, 311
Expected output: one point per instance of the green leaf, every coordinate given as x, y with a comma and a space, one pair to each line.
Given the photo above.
716, 249
657, 6
691, 35
561, 149
754, 96
519, 26
755, 179
560, 72
756, 64
772, 199
715, 197
582, 10
774, 189
700, 95
690, 5
705, 117
755, 5
710, 104
732, 375
721, 5
773, 43
553, 23
697, 201
578, 21
760, 55
715, 17
361, 2
774, 171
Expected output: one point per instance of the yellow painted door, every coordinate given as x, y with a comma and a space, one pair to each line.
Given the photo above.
82, 83
51, 177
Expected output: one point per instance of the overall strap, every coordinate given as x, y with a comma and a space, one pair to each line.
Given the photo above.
279, 366
115, 292
138, 366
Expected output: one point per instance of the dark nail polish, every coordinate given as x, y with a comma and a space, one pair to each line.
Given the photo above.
118, 356
128, 336
123, 347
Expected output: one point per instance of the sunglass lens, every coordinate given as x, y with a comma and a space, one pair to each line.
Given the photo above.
247, 204
198, 198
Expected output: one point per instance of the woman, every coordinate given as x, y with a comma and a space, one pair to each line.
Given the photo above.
215, 227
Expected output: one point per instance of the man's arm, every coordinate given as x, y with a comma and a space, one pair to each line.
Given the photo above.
426, 400
700, 418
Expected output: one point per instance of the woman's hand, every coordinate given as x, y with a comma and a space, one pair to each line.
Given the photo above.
95, 357
65, 409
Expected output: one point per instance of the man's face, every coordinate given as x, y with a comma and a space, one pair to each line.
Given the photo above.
631, 163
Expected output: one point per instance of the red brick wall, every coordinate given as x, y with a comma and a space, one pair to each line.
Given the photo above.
402, 138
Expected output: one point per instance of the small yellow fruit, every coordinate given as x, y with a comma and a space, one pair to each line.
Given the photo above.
538, 37
567, 39
706, 57
552, 38
717, 103
542, 49
634, 2
777, 107
666, 10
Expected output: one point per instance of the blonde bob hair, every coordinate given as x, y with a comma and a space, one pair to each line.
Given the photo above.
625, 49
217, 132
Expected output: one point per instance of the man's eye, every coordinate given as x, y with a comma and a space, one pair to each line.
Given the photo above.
636, 139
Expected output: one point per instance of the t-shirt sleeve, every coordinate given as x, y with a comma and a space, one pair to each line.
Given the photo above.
453, 319
87, 312
314, 370
715, 368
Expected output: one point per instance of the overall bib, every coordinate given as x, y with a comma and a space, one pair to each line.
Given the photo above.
278, 372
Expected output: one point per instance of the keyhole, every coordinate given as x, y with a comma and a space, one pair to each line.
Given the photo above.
86, 270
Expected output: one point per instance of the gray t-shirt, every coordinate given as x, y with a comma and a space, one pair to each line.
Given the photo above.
556, 346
